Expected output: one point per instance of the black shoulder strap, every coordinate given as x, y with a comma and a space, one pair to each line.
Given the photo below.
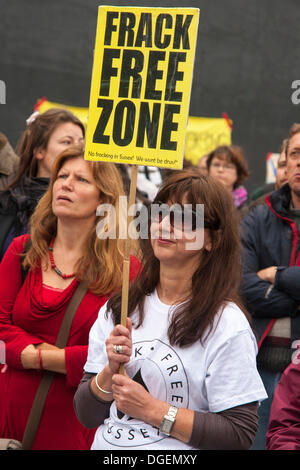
24, 271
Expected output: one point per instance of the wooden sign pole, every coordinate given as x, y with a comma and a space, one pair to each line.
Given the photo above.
126, 263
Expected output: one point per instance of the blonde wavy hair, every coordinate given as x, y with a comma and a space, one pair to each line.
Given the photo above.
101, 266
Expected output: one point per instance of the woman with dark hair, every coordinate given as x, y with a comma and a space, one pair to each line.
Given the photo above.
46, 136
227, 163
67, 246
190, 355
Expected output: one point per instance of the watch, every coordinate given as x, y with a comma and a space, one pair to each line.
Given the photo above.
168, 421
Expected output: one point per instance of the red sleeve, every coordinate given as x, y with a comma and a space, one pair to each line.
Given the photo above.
14, 338
284, 425
75, 359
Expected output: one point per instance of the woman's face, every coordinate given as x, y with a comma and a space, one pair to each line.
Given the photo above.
75, 195
178, 243
62, 137
224, 171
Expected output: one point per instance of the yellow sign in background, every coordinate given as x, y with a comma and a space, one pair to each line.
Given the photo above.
141, 84
204, 135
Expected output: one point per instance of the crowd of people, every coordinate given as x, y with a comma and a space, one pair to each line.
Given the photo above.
208, 357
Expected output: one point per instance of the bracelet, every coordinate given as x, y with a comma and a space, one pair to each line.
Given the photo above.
98, 386
40, 359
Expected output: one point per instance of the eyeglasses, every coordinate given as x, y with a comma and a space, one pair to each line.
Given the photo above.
225, 166
181, 218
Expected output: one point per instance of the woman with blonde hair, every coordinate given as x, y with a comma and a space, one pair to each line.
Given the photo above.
64, 249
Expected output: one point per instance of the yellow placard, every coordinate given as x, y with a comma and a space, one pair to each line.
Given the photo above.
141, 84
204, 135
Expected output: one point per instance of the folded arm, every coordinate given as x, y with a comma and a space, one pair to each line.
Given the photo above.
267, 291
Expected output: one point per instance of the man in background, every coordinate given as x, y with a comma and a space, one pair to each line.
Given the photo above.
271, 275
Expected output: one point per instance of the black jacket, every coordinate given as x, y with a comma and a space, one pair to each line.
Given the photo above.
16, 207
8, 214
269, 238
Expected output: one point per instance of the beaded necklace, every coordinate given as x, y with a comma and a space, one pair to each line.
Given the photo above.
53, 265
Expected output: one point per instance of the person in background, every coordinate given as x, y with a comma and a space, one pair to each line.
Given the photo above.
148, 182
45, 137
189, 352
271, 277
67, 246
284, 424
9, 161
281, 179
202, 165
281, 175
227, 163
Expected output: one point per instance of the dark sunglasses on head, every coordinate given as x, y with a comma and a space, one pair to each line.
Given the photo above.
182, 218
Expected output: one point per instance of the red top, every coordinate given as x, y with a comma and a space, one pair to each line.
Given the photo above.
284, 424
30, 314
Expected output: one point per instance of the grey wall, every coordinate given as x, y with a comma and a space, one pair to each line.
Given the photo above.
246, 60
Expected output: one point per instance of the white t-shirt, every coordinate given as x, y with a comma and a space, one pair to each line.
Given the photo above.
218, 376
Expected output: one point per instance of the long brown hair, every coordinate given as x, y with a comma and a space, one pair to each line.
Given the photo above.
101, 266
36, 137
217, 277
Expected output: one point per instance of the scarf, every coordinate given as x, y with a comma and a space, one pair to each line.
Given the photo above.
239, 195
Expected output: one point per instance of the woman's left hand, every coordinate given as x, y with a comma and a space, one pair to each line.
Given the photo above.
132, 398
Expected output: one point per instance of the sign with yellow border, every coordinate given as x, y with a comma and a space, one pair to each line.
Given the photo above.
141, 85
204, 135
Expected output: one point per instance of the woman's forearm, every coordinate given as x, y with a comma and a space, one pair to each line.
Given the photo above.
134, 400
183, 426
103, 381
90, 410
44, 356
53, 360
232, 429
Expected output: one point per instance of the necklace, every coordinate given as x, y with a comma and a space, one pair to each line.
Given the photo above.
53, 265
